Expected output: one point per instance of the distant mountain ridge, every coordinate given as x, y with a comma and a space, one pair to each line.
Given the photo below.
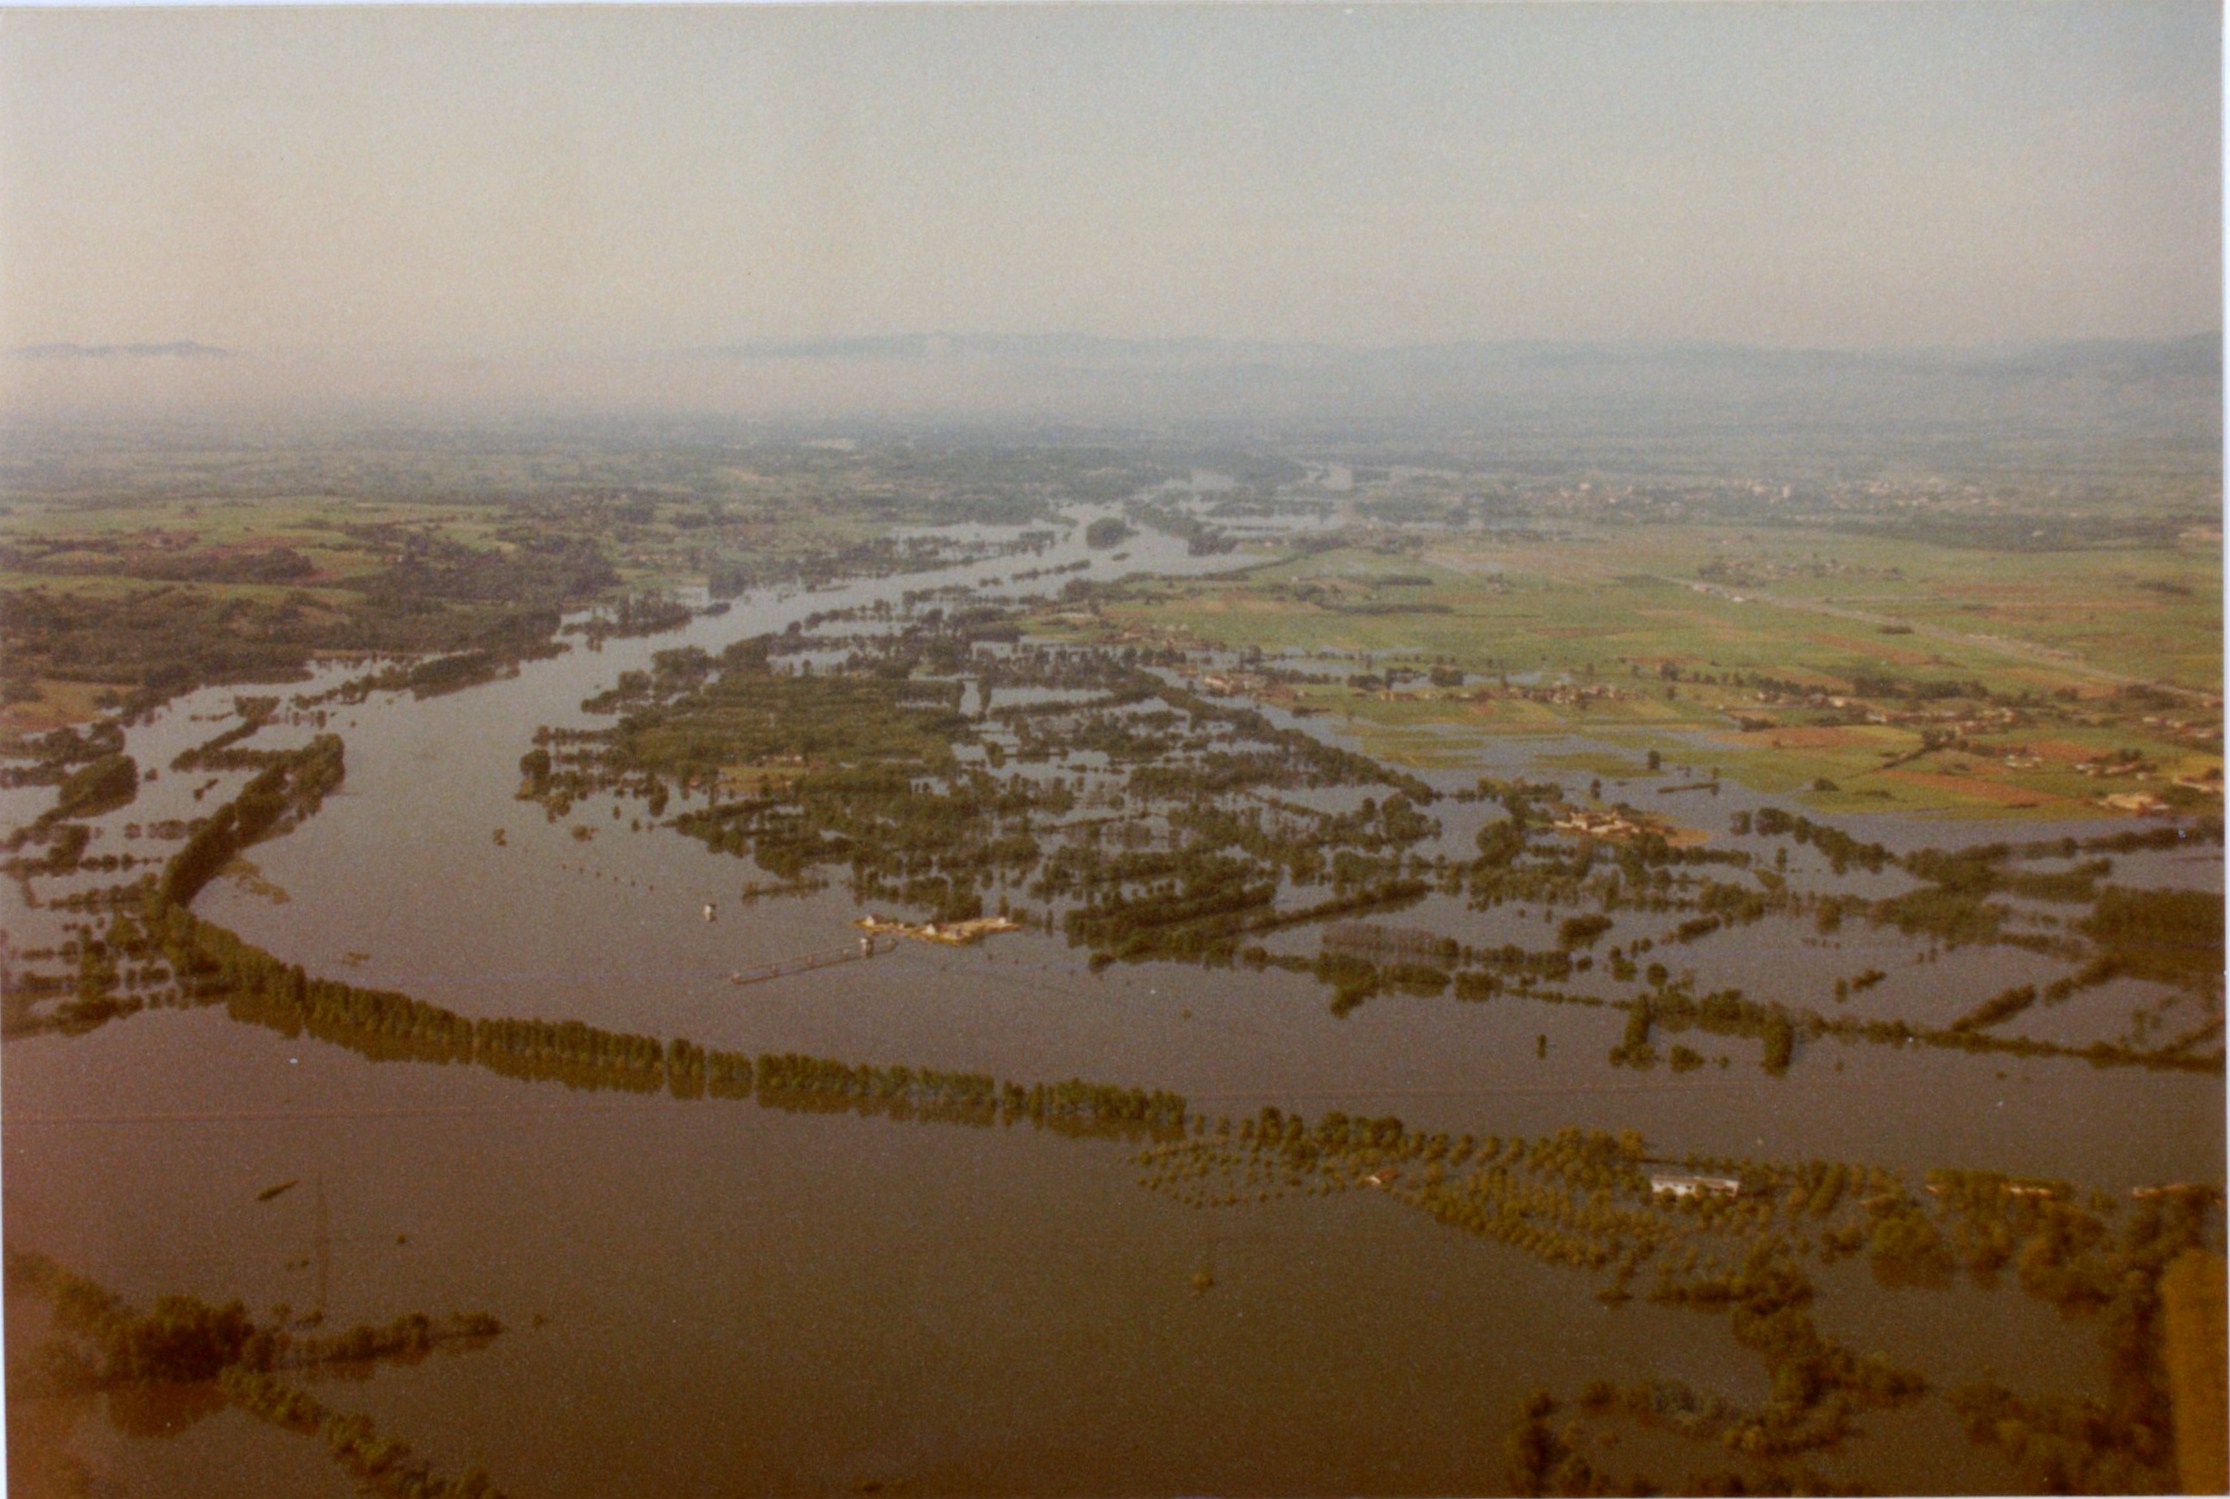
2147, 411
2197, 353
182, 349
2090, 406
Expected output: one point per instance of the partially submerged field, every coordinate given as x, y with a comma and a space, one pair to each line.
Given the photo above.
1388, 964
1864, 674
132, 570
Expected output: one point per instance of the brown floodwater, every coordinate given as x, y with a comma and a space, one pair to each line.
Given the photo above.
712, 1297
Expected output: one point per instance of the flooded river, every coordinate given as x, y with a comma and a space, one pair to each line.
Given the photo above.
710, 1297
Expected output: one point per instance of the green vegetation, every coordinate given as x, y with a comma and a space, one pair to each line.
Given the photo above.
1584, 1199
1972, 699
381, 1466
1980, 1221
214, 966
866, 769
288, 790
48, 758
143, 572
2123, 1443
1578, 1199
2170, 935
104, 1343
2003, 1006
101, 1344
424, 593
1099, 768
220, 752
876, 770
106, 784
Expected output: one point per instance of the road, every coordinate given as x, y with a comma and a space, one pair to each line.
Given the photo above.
2043, 655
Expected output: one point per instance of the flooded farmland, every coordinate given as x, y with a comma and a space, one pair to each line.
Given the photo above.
911, 750
852, 1287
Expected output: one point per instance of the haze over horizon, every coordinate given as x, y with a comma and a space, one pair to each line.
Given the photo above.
551, 205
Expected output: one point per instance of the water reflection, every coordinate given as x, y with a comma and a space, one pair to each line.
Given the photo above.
775, 1279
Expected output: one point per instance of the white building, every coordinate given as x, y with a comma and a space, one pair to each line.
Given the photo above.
1691, 1184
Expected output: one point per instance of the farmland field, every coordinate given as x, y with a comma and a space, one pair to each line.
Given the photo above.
1375, 898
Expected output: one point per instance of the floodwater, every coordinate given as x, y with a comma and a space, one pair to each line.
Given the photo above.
712, 1297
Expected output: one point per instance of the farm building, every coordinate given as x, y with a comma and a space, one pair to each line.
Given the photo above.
1691, 1184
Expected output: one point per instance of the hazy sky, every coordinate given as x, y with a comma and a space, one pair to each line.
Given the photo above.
526, 182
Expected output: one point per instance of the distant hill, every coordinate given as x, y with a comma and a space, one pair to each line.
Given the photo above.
184, 349
2090, 405
2135, 416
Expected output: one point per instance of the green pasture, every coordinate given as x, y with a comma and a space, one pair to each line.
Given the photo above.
1616, 628
2153, 611
1617, 613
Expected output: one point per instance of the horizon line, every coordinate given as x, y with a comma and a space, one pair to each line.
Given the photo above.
920, 343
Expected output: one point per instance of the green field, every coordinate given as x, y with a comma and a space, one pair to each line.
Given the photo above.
1946, 681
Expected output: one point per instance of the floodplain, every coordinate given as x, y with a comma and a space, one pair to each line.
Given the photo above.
1558, 985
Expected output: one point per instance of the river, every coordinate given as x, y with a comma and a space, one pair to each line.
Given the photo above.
712, 1297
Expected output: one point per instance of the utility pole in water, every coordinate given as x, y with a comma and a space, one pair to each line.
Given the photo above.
322, 1248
